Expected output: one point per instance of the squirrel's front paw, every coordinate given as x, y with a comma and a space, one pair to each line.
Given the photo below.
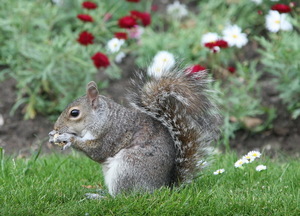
65, 140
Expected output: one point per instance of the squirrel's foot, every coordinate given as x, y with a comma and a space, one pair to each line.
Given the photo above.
94, 196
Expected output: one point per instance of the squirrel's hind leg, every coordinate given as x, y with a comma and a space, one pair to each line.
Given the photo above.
138, 169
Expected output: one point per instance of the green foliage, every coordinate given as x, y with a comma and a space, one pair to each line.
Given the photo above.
55, 185
42, 54
240, 100
280, 57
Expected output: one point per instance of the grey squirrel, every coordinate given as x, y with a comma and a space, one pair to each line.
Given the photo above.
159, 141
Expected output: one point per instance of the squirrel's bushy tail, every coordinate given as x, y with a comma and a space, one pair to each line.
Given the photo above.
181, 101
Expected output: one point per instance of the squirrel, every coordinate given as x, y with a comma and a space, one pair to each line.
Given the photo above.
159, 141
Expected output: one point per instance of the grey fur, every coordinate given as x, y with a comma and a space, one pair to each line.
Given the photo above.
158, 142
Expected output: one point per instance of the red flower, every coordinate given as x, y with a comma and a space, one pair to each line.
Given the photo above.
121, 35
85, 17
100, 60
144, 17
135, 1
222, 43
89, 5
219, 43
127, 22
196, 68
281, 8
231, 69
85, 38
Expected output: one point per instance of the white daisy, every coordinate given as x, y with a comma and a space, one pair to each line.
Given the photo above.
119, 57
219, 171
162, 62
177, 10
155, 70
234, 36
260, 168
249, 158
255, 154
240, 163
114, 45
276, 21
209, 38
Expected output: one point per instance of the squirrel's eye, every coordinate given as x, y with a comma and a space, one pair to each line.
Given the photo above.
74, 112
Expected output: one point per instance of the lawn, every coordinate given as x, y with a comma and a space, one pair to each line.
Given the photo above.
56, 185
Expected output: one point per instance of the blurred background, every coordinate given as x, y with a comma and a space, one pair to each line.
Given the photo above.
50, 49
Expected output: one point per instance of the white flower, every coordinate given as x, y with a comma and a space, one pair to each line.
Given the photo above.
260, 168
164, 57
177, 10
234, 36
162, 61
135, 32
114, 45
276, 21
209, 38
249, 158
215, 49
257, 1
255, 154
219, 171
155, 70
240, 163
119, 57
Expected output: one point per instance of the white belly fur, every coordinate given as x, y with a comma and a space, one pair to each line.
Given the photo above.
112, 170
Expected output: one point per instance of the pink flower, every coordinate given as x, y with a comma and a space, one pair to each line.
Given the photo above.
281, 8
107, 17
100, 60
292, 4
89, 5
136, 32
127, 22
85, 17
85, 38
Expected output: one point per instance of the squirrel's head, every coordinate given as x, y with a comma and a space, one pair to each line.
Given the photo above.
81, 112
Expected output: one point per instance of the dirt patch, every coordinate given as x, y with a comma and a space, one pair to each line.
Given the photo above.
284, 135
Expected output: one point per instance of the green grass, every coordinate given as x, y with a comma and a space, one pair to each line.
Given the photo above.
53, 185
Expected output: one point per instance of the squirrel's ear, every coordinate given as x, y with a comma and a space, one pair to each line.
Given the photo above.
92, 94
